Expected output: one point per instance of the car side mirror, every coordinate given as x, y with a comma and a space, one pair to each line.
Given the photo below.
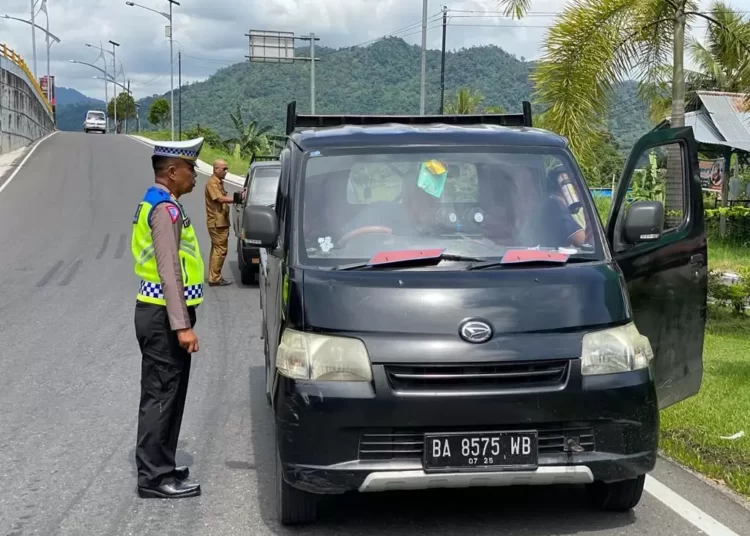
260, 226
644, 222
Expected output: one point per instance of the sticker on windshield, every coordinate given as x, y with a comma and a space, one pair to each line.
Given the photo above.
314, 153
325, 244
432, 177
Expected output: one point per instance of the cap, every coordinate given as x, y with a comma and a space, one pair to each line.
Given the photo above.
187, 150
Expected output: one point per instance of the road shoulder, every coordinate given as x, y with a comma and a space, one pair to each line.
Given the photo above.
716, 500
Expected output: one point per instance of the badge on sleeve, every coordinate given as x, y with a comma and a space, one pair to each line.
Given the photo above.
174, 212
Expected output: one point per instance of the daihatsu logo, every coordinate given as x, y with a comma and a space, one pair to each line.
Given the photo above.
475, 331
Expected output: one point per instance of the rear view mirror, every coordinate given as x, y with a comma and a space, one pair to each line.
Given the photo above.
644, 222
260, 227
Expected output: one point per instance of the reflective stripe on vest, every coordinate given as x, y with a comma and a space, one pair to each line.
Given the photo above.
150, 289
142, 248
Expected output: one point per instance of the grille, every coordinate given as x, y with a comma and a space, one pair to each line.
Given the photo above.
495, 376
409, 444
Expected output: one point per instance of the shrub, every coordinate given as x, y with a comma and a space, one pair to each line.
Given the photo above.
210, 136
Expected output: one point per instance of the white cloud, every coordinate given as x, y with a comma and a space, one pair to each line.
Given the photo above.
211, 33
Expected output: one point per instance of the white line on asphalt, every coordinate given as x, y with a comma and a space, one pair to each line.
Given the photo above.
13, 175
686, 510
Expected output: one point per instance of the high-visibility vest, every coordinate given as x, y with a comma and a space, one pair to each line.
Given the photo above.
142, 247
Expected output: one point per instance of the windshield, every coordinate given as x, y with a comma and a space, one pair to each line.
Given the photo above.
264, 185
471, 202
95, 115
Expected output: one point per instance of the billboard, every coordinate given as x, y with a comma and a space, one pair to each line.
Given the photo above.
271, 46
43, 84
712, 174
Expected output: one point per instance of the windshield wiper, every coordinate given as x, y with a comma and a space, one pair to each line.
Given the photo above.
417, 258
553, 258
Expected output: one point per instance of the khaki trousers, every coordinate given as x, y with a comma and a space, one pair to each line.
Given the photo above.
219, 244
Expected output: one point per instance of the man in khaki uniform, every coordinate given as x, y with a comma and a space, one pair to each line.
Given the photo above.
217, 220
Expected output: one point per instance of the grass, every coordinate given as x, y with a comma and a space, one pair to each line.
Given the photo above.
691, 430
726, 256
237, 165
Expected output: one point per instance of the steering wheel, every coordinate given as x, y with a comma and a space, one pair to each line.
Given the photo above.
369, 229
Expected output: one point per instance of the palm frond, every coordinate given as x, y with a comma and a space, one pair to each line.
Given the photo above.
593, 44
515, 8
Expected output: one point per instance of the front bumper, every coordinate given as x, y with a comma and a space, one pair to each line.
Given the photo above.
325, 432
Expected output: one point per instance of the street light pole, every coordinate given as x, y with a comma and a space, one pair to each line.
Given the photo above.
168, 16
33, 37
102, 50
49, 45
171, 63
114, 66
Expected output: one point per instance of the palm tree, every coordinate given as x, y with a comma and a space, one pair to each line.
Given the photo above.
466, 102
251, 138
596, 43
719, 66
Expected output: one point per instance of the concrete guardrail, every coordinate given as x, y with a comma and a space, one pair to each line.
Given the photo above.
25, 113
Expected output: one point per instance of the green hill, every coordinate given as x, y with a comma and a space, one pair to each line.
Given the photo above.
383, 78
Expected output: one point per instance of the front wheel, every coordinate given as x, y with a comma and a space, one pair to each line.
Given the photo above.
617, 496
293, 506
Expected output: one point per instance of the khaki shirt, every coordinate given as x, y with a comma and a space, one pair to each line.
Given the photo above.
217, 213
166, 235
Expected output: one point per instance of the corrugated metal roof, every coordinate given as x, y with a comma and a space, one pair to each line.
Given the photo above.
729, 117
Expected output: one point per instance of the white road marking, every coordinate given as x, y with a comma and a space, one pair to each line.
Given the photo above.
686, 510
13, 175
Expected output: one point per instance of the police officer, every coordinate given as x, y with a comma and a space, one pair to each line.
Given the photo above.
169, 264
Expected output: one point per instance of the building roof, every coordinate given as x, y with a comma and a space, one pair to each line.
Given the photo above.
437, 134
722, 119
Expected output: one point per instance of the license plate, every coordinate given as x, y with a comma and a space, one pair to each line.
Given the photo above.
255, 261
482, 450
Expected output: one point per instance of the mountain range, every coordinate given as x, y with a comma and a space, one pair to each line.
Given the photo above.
382, 78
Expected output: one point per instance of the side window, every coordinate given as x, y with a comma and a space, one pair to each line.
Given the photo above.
661, 173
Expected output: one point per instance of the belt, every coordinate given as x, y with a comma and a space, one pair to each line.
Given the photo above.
155, 290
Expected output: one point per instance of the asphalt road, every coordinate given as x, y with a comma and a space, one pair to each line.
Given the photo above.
69, 383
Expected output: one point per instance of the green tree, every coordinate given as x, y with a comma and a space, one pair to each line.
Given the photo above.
125, 108
595, 44
251, 138
158, 112
467, 102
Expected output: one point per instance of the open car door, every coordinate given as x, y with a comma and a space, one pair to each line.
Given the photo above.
666, 272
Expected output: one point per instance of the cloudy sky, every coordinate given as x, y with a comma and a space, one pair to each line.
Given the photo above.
211, 33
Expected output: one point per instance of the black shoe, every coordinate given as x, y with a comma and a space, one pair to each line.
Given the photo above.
181, 473
173, 490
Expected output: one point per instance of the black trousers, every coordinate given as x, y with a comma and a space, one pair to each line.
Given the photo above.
165, 372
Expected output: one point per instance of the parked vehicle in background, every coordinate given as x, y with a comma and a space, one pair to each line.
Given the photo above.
95, 121
442, 307
261, 183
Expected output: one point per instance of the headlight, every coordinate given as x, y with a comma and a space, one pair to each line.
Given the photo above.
619, 349
309, 356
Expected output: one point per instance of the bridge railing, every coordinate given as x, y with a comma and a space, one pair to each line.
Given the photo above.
11, 55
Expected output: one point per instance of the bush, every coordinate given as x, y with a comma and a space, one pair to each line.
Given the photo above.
736, 296
210, 136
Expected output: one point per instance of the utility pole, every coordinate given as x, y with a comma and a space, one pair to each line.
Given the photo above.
171, 63
33, 38
424, 58
114, 76
442, 62
312, 73
179, 84
127, 116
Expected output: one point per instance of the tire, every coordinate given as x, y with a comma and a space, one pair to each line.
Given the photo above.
293, 506
86, 131
617, 496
